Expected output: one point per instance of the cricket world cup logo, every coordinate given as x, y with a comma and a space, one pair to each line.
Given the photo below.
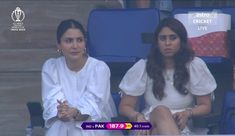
18, 16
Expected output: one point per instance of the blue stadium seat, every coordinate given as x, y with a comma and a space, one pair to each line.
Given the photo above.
114, 35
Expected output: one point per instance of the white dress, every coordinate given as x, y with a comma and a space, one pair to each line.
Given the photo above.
87, 90
136, 82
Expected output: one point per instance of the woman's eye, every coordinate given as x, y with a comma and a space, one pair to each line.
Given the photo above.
162, 38
173, 37
68, 40
80, 39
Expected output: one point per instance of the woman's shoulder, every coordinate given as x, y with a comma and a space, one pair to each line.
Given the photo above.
97, 61
140, 63
197, 62
51, 63
202, 81
97, 64
197, 65
138, 69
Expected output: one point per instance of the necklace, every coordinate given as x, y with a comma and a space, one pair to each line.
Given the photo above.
169, 76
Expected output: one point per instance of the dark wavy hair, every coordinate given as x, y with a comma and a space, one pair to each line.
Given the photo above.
67, 24
155, 64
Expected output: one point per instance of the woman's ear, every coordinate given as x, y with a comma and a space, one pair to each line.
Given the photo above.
59, 50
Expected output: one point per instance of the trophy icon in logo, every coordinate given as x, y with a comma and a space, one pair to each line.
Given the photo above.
17, 15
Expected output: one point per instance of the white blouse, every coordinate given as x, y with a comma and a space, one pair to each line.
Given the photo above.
88, 90
137, 82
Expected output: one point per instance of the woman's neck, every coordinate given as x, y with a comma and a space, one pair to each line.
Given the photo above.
76, 65
169, 63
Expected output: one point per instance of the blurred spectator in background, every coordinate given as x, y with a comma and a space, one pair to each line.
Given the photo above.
109, 4
165, 6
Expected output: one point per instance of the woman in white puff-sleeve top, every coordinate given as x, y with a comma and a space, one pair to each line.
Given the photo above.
75, 87
171, 79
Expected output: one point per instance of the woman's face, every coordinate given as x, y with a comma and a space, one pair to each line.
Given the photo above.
168, 42
72, 44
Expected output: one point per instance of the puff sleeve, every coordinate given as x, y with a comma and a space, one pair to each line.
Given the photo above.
134, 81
201, 80
51, 91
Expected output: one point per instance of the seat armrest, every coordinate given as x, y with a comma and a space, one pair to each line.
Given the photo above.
35, 111
207, 121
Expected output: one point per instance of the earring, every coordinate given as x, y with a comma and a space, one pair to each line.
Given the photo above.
59, 51
85, 53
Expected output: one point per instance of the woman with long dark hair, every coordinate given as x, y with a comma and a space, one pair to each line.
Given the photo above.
171, 79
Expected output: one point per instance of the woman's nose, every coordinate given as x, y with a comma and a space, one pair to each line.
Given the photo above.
167, 41
75, 44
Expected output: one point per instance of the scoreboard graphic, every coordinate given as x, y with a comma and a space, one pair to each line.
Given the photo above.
116, 125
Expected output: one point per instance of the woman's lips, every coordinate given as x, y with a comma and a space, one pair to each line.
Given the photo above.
74, 53
168, 50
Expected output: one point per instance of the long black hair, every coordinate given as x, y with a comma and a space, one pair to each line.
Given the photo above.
155, 64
